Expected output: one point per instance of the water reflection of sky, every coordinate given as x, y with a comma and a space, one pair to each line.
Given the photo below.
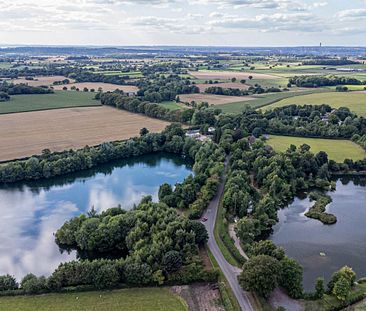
32, 212
344, 243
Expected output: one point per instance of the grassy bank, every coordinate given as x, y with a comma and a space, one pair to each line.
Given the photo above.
147, 299
228, 298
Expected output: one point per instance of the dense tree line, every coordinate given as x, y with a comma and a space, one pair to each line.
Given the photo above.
192, 116
164, 88
305, 121
58, 163
22, 89
257, 89
329, 62
218, 90
318, 81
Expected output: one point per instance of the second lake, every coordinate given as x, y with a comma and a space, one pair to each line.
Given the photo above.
344, 243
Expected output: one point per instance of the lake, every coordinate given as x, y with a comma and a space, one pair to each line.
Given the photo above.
32, 211
343, 243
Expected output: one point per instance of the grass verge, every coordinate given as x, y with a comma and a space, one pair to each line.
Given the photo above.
147, 299
221, 230
228, 298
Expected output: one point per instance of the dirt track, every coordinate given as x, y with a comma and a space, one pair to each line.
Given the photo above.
28, 133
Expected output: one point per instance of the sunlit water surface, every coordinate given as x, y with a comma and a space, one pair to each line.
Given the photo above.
343, 243
31, 212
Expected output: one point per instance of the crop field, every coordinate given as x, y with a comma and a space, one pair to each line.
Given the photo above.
147, 299
337, 150
227, 85
60, 99
355, 101
96, 85
26, 134
38, 81
212, 99
211, 74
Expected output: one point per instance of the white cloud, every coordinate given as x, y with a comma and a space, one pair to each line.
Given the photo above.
352, 14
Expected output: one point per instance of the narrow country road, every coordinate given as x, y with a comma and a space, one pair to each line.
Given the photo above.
231, 273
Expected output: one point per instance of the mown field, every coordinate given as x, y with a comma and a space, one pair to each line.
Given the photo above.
60, 99
171, 105
259, 101
337, 150
137, 299
355, 101
28, 133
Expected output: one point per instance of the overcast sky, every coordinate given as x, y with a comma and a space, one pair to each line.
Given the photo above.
183, 22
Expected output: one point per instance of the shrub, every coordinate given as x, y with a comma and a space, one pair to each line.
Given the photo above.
106, 277
32, 284
172, 261
8, 282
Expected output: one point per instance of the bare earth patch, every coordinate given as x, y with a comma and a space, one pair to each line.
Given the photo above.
38, 81
95, 85
200, 296
223, 75
213, 99
228, 85
280, 299
28, 133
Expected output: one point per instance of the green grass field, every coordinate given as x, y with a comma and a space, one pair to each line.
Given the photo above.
136, 299
171, 105
356, 102
337, 150
60, 99
261, 101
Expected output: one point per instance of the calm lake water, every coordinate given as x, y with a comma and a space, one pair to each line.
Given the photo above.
31, 212
344, 243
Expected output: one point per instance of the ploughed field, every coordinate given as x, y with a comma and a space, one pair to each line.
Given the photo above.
106, 87
149, 299
337, 149
26, 134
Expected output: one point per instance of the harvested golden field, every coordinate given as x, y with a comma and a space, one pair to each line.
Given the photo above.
228, 85
227, 75
212, 99
95, 85
26, 134
38, 81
